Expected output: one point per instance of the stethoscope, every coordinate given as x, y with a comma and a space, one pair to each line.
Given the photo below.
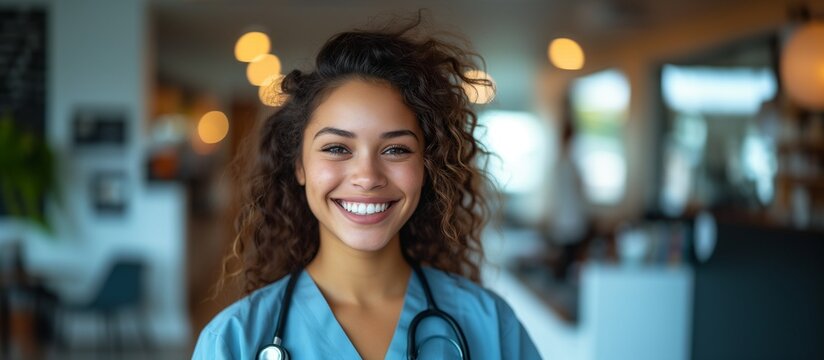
276, 350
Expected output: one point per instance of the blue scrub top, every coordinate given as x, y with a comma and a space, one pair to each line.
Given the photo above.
312, 332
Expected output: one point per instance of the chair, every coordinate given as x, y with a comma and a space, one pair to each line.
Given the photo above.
121, 291
25, 295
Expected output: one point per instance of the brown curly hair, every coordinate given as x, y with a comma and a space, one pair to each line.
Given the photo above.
276, 231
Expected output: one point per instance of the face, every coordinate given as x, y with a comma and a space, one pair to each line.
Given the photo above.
362, 165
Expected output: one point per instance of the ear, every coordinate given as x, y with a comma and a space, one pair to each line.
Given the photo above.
300, 174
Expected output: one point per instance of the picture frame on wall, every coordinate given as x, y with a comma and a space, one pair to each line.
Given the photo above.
99, 126
109, 190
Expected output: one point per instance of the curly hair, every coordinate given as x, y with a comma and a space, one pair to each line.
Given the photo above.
276, 231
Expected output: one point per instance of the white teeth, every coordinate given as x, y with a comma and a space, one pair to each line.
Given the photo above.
364, 208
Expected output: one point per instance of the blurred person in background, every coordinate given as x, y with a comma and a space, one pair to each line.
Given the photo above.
359, 236
568, 225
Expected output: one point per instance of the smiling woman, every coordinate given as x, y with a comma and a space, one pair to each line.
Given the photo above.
363, 208
363, 148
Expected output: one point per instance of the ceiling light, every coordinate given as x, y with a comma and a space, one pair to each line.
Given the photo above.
802, 66
566, 54
213, 127
261, 68
251, 45
477, 93
270, 93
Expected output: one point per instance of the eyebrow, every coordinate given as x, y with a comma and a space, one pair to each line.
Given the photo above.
398, 133
349, 134
334, 131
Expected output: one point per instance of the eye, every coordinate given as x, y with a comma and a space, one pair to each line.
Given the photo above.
335, 149
397, 150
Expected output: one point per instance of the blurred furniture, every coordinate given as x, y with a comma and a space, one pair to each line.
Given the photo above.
620, 312
26, 306
760, 295
9, 265
799, 182
636, 312
629, 310
120, 292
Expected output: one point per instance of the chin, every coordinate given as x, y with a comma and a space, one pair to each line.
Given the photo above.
366, 242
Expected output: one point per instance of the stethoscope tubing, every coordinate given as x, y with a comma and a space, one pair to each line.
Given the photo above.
432, 310
284, 309
276, 347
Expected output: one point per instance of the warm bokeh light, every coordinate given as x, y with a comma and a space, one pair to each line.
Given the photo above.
251, 45
262, 68
213, 127
821, 73
566, 54
479, 94
270, 93
804, 55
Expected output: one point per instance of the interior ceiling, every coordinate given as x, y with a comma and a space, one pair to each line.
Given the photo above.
195, 39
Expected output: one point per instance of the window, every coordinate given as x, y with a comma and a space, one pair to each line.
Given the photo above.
600, 106
519, 141
719, 145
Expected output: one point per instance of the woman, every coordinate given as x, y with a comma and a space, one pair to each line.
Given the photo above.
363, 199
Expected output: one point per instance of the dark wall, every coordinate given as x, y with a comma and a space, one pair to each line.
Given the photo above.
23, 69
760, 296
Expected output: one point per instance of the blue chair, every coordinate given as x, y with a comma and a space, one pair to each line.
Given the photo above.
121, 291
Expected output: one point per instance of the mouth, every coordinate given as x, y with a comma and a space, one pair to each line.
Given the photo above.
364, 208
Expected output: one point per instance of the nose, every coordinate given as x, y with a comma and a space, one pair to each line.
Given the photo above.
367, 173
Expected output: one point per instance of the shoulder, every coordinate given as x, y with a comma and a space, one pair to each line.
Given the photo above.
467, 292
258, 303
243, 325
482, 314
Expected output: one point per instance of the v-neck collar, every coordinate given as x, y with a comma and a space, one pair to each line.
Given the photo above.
314, 308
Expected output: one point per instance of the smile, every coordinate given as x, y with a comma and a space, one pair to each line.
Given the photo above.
359, 208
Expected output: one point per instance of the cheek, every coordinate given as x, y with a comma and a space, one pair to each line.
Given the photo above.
409, 178
320, 179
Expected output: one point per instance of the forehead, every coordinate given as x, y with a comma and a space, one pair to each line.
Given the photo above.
363, 106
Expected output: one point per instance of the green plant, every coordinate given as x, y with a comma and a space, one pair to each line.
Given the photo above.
26, 172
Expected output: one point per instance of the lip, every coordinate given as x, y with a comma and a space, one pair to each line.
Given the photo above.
367, 200
366, 219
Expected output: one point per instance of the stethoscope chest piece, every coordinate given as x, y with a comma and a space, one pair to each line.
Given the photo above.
273, 352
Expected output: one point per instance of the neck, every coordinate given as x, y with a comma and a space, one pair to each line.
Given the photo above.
348, 276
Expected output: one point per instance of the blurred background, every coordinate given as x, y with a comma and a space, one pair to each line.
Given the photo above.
661, 165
